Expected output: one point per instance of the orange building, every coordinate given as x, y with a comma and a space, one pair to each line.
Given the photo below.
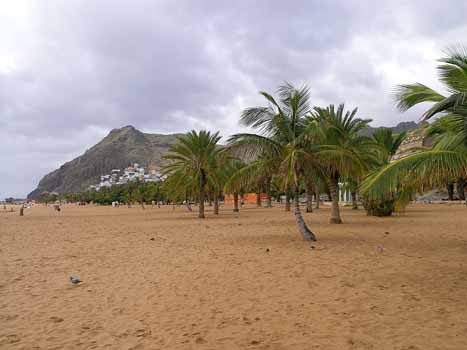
247, 198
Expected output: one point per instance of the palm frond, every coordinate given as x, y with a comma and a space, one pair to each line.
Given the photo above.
425, 170
409, 95
453, 70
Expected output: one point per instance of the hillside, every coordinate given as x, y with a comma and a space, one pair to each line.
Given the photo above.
401, 127
120, 148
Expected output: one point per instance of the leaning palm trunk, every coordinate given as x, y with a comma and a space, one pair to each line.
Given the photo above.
333, 189
303, 228
235, 200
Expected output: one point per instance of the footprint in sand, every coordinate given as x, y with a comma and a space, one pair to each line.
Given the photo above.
200, 340
142, 333
10, 339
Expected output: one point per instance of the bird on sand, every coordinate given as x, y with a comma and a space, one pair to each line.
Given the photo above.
75, 280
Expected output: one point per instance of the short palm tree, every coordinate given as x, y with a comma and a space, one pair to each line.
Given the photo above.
283, 142
194, 163
387, 145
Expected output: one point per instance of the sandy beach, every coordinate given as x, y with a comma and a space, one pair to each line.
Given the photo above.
163, 279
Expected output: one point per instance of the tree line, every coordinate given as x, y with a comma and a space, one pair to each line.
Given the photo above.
298, 148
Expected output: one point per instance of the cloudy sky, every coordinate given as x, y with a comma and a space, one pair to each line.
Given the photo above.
71, 70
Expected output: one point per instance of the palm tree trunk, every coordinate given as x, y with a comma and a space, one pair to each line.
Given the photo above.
309, 196
334, 191
202, 195
201, 204
317, 196
302, 227
268, 193
235, 200
287, 199
216, 204
354, 200
460, 188
269, 202
450, 191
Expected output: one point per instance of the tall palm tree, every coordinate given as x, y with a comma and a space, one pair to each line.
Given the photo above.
194, 163
283, 141
343, 150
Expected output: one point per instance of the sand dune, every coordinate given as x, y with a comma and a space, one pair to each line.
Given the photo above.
159, 279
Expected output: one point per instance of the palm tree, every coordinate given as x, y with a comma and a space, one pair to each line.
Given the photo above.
447, 159
387, 145
343, 151
283, 143
194, 163
232, 167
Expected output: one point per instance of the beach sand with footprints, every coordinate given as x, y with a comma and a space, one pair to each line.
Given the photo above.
163, 279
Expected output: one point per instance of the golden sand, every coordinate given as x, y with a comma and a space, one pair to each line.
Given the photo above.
163, 279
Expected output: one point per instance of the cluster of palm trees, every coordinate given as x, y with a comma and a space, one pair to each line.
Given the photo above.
296, 146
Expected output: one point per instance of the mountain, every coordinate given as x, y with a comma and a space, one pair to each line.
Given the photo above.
401, 127
120, 148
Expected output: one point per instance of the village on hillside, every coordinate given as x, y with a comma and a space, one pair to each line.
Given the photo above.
134, 172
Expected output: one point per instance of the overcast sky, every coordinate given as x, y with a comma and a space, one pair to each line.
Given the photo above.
70, 71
